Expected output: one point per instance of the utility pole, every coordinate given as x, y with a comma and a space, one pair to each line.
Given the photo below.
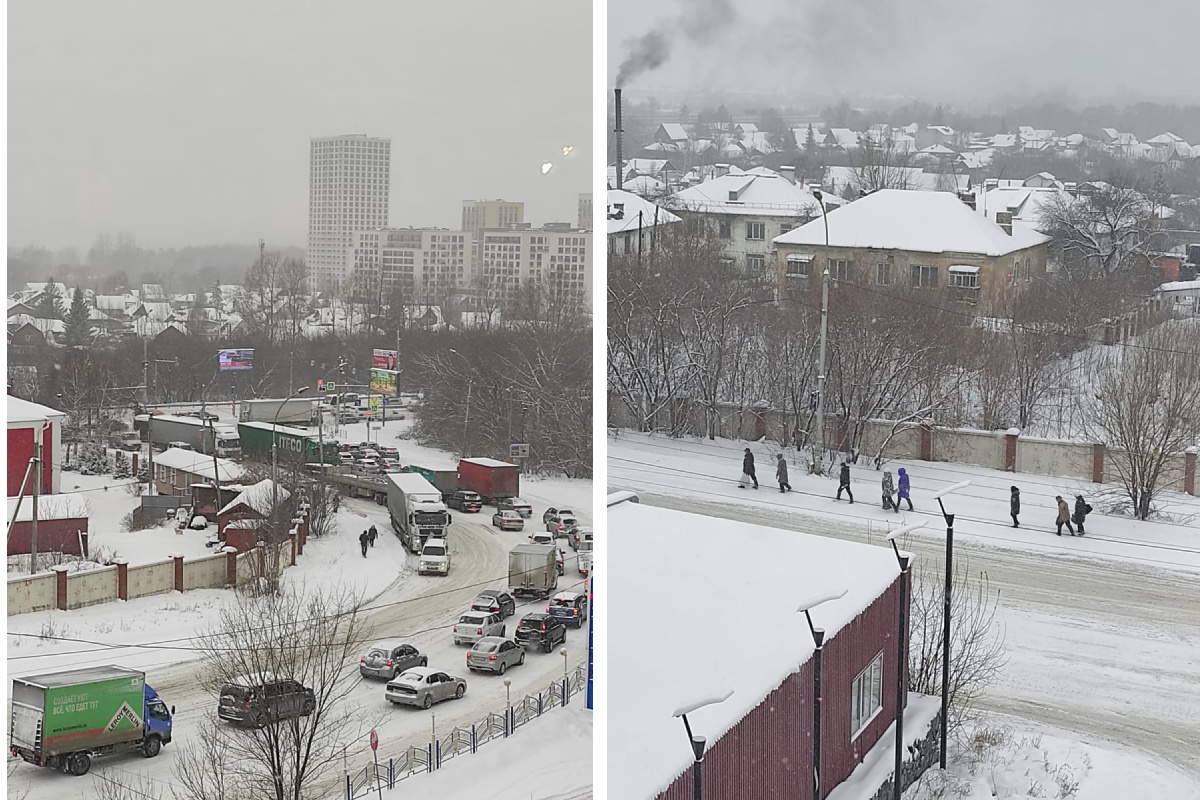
37, 490
819, 438
146, 411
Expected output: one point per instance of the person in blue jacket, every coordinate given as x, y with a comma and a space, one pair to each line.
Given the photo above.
902, 489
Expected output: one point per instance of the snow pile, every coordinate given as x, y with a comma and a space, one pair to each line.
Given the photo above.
877, 767
737, 581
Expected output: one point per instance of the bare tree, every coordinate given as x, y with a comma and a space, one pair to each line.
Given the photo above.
1146, 408
880, 164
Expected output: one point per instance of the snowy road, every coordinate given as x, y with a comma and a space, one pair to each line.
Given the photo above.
1096, 645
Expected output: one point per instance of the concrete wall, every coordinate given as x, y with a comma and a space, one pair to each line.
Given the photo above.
980, 448
1060, 459
91, 587
905, 444
148, 579
248, 566
204, 573
32, 594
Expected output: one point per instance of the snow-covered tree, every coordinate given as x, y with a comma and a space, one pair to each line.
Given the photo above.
79, 326
120, 465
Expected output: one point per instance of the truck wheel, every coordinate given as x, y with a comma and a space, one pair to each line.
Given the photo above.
151, 747
79, 764
381, 499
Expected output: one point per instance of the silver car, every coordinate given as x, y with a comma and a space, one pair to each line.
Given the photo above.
389, 659
493, 654
474, 625
423, 687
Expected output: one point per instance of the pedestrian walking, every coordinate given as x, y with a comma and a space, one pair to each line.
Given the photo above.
748, 475
1014, 505
889, 489
903, 492
1082, 509
844, 483
1064, 516
371, 534
363, 539
781, 474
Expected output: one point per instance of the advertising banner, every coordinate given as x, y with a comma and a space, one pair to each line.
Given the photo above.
384, 359
229, 360
383, 381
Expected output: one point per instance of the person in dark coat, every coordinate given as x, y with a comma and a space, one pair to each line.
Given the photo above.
748, 470
371, 534
364, 539
903, 492
781, 474
889, 489
1064, 517
1014, 505
844, 482
1082, 509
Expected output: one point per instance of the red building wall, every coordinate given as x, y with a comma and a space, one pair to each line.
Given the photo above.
768, 755
20, 450
54, 535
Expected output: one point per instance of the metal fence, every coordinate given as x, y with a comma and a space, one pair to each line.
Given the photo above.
164, 503
468, 739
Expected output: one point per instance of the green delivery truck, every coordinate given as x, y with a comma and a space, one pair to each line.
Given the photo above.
294, 444
64, 719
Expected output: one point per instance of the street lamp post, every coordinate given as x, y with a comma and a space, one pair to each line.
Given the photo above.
819, 443
275, 450
698, 742
946, 613
818, 635
903, 559
507, 706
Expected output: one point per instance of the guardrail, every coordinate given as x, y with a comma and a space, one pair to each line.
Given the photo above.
467, 739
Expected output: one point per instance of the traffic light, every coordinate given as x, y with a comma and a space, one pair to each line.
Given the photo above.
320, 386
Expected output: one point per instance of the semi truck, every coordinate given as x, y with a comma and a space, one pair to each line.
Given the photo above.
416, 509
491, 479
292, 411
167, 428
533, 570
293, 443
63, 720
444, 480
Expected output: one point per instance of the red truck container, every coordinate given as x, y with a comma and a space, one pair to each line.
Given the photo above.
493, 480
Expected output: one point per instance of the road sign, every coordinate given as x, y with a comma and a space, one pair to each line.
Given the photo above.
374, 740
518, 450
331, 386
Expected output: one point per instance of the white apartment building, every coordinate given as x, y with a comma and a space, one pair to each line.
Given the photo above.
480, 214
424, 262
557, 253
349, 181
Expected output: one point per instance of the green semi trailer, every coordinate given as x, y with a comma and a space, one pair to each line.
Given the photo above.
293, 443
62, 720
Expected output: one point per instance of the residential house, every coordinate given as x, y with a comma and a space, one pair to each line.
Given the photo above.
252, 503
922, 241
176, 469
1043, 180
930, 135
671, 133
634, 223
153, 293
26, 341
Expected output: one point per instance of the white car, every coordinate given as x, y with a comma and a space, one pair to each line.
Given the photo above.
474, 625
541, 537
435, 558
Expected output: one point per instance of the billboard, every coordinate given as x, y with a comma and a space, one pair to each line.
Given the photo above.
384, 359
230, 360
383, 381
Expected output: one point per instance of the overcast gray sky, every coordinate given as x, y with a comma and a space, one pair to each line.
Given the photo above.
189, 123
934, 50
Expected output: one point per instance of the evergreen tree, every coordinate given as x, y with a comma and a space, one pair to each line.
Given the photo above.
121, 465
49, 305
810, 141
215, 296
79, 327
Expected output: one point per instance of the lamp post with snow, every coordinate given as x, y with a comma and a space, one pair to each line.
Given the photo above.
697, 742
903, 559
818, 635
819, 444
946, 612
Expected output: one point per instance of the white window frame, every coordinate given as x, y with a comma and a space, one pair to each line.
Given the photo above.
797, 258
760, 267
925, 270
883, 269
867, 687
839, 268
962, 277
756, 227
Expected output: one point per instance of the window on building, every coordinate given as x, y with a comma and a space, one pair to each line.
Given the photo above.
839, 269
866, 696
756, 231
1028, 272
883, 273
723, 229
924, 277
963, 277
756, 263
798, 266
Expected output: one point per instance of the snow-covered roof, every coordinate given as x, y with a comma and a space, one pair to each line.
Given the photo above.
258, 497
759, 193
633, 205
487, 462
1165, 138
762, 638
23, 411
674, 131
924, 222
937, 150
837, 178
844, 137
198, 464
1179, 286
646, 185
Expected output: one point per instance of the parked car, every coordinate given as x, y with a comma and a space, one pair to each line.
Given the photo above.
493, 654
515, 504
541, 630
562, 527
474, 625
178, 446
263, 699
465, 501
389, 659
422, 686
495, 601
508, 521
578, 535
570, 607
555, 513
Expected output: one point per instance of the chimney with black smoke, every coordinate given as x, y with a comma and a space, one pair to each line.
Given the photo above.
620, 144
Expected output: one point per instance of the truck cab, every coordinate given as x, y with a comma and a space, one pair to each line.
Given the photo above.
158, 719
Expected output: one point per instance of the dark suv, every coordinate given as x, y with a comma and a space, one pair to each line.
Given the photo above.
542, 631
465, 501
260, 700
496, 602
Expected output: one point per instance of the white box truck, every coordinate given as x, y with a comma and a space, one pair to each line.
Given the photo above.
533, 570
416, 509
